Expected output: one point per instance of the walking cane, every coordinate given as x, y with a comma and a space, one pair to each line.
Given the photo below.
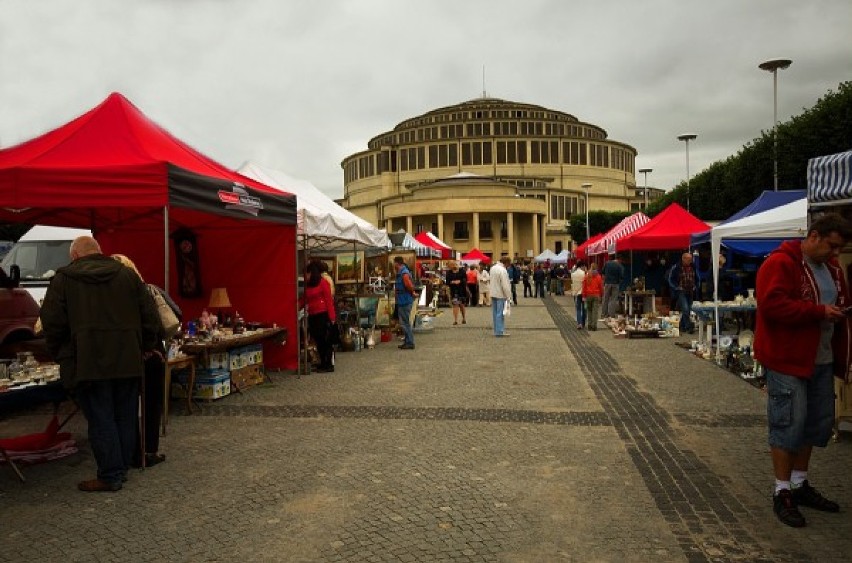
142, 420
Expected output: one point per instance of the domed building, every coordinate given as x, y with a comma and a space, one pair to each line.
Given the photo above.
501, 176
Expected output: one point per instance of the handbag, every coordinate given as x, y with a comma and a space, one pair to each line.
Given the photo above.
507, 308
168, 319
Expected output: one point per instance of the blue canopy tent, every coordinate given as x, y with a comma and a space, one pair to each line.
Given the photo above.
754, 247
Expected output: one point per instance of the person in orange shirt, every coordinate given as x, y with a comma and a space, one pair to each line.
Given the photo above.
472, 286
592, 293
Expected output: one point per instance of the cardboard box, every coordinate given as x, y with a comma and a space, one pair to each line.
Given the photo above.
252, 354
247, 376
217, 360
235, 358
209, 384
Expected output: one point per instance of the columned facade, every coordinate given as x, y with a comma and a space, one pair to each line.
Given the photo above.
491, 174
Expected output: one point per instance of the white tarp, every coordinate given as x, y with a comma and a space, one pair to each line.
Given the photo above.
322, 224
786, 221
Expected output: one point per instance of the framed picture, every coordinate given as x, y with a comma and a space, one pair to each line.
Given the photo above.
376, 266
408, 256
329, 261
350, 267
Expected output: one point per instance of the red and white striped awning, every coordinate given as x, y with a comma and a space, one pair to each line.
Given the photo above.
621, 230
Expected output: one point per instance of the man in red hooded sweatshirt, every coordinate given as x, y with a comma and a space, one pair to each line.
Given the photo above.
802, 338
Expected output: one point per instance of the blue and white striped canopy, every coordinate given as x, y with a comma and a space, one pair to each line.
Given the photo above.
830, 177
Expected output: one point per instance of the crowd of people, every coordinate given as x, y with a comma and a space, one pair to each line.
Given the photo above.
101, 324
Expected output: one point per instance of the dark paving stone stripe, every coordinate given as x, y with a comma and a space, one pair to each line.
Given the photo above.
693, 500
410, 413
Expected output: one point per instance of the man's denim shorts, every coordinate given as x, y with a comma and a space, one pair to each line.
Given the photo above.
800, 411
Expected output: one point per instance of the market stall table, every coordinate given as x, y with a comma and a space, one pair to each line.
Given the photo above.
204, 349
646, 296
707, 314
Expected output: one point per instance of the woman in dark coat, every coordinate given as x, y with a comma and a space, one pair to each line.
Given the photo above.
457, 282
154, 381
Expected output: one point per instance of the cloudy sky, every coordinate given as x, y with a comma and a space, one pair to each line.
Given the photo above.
297, 85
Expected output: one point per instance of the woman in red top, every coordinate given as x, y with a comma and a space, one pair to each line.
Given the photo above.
592, 293
321, 315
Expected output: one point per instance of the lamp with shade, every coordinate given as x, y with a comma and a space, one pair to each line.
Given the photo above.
219, 300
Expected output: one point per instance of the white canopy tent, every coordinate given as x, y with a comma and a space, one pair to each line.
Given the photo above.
545, 256
786, 221
562, 257
322, 224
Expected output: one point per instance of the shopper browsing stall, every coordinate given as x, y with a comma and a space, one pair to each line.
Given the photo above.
404, 294
99, 321
153, 383
321, 314
683, 282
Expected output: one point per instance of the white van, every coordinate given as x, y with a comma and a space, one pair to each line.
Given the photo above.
39, 253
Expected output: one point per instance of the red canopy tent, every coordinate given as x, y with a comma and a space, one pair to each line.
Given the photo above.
114, 171
670, 230
475, 256
580, 251
427, 238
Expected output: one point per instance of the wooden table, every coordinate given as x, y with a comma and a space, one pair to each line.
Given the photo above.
186, 361
203, 349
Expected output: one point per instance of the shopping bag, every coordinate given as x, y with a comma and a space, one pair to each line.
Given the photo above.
507, 308
168, 319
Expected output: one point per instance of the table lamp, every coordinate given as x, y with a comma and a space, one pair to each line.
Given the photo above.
219, 300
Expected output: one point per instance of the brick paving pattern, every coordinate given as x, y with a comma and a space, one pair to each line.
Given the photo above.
550, 445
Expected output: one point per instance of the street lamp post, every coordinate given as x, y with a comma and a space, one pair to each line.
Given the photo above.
587, 187
645, 172
686, 137
773, 66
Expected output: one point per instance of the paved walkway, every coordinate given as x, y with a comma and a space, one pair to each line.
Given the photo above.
550, 445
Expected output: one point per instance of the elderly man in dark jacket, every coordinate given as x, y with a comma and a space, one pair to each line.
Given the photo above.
99, 322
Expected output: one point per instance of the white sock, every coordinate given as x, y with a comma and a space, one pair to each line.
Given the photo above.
779, 485
797, 478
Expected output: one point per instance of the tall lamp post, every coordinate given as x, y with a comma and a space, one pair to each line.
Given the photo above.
773, 66
686, 137
587, 187
645, 171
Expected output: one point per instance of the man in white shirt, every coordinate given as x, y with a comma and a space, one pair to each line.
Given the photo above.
501, 292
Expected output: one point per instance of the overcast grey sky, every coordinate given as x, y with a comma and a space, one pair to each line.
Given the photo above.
299, 85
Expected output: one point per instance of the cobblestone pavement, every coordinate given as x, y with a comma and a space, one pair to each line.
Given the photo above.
550, 445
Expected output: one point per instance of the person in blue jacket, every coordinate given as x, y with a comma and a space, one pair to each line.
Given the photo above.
683, 281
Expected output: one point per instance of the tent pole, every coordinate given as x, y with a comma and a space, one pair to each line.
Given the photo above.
357, 285
166, 248
302, 322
